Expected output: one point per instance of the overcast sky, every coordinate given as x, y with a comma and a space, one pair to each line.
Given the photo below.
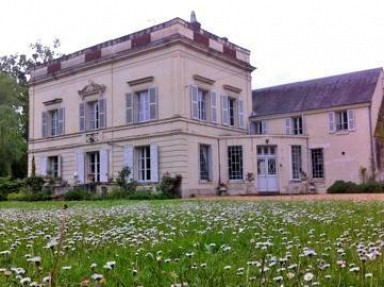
289, 40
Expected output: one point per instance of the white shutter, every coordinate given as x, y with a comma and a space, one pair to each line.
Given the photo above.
224, 110
252, 128
80, 166
303, 125
154, 163
128, 160
240, 108
194, 91
82, 117
331, 122
288, 126
213, 107
61, 126
351, 120
59, 168
129, 108
102, 113
104, 165
43, 161
44, 124
153, 106
264, 127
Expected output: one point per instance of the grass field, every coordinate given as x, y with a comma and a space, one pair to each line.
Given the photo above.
192, 243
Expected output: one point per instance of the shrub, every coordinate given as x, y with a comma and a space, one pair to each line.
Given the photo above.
7, 186
35, 183
25, 194
341, 186
77, 193
170, 186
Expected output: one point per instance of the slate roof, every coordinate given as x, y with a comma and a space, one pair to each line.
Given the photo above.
334, 91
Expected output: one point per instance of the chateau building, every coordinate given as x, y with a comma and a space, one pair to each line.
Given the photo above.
177, 99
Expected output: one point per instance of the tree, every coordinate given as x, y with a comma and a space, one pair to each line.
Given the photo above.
18, 67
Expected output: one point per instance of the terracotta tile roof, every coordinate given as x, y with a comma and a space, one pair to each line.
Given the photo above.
334, 91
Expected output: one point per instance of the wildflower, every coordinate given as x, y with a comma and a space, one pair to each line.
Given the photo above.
66, 267
25, 281
290, 275
368, 275
308, 276
93, 265
355, 269
110, 265
227, 267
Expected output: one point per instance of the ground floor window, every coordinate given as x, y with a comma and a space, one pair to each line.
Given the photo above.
143, 163
205, 161
93, 166
317, 158
53, 166
296, 161
235, 162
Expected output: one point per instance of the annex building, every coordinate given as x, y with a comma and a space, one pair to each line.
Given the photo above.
176, 98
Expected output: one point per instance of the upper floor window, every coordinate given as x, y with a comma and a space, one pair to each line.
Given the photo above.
141, 106
93, 115
235, 162
232, 112
341, 121
53, 122
294, 125
203, 104
258, 127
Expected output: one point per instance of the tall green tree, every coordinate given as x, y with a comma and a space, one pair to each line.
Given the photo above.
18, 67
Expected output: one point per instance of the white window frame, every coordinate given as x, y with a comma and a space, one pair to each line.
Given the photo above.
341, 121
296, 161
232, 112
205, 162
53, 122
235, 162
141, 105
54, 166
92, 115
317, 163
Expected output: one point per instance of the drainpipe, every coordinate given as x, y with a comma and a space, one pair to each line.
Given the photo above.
373, 160
218, 159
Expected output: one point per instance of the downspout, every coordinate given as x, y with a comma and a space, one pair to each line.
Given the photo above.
218, 159
373, 159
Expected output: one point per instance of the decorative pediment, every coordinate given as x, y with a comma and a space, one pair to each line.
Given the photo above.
232, 89
203, 79
140, 81
52, 102
92, 89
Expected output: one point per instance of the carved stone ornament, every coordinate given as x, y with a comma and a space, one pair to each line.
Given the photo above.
92, 137
92, 89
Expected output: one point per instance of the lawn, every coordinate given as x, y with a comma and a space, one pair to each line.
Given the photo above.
192, 243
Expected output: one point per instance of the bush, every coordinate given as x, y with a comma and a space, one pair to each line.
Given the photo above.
35, 183
340, 186
8, 186
25, 194
123, 183
77, 193
170, 186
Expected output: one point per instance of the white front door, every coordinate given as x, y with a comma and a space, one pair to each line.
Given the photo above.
267, 178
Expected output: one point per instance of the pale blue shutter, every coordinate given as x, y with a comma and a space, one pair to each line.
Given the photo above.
351, 120
154, 163
43, 161
104, 165
331, 122
288, 126
80, 164
194, 91
61, 121
240, 109
128, 160
129, 108
60, 166
224, 110
252, 128
102, 113
213, 107
153, 103
44, 124
82, 117
264, 127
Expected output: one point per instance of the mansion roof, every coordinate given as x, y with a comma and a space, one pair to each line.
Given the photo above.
340, 90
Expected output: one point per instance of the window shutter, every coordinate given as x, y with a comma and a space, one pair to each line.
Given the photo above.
194, 101
153, 105
59, 163
104, 165
44, 124
80, 166
154, 163
61, 117
351, 120
252, 128
240, 108
102, 113
43, 165
129, 108
264, 127
82, 118
213, 107
303, 125
224, 110
331, 122
288, 126
128, 160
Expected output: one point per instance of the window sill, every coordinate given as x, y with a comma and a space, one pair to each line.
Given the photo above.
202, 181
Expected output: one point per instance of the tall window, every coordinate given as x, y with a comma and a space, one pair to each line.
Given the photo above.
235, 162
202, 100
294, 125
93, 166
93, 115
144, 163
232, 112
141, 106
317, 158
341, 121
53, 122
53, 166
205, 161
296, 161
203, 104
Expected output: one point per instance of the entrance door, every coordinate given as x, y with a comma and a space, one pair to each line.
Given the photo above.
267, 178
